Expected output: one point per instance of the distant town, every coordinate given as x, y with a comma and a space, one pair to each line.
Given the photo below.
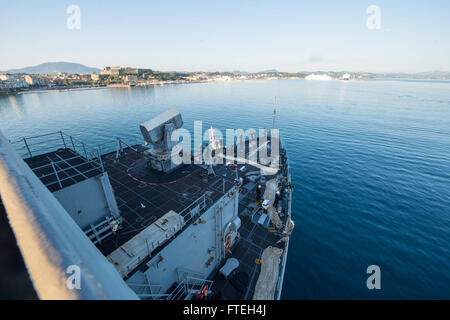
124, 77
21, 81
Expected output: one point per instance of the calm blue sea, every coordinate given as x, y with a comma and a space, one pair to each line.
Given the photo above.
370, 161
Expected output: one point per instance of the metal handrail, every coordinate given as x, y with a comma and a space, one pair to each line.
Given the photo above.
64, 140
112, 145
38, 136
59, 140
188, 284
186, 272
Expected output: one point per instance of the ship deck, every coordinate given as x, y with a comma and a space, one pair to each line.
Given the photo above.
145, 195
254, 238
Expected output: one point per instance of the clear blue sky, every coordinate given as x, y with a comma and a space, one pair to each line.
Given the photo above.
229, 35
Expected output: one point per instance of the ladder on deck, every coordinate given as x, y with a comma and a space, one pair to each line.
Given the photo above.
184, 273
190, 285
189, 288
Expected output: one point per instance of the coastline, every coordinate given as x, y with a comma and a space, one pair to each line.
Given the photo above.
120, 85
49, 90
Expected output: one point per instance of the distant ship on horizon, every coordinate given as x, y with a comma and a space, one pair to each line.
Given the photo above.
345, 77
321, 77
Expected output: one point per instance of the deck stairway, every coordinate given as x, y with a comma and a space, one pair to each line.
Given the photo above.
188, 286
187, 289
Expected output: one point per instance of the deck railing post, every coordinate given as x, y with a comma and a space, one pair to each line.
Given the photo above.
118, 148
73, 145
84, 149
28, 148
100, 159
62, 138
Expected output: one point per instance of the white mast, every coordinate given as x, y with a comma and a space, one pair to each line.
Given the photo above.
274, 111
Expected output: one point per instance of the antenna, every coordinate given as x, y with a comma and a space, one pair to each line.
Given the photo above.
274, 111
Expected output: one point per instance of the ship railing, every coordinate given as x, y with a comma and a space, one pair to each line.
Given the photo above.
189, 287
120, 143
28, 147
117, 145
184, 273
148, 291
102, 230
186, 289
195, 209
62, 169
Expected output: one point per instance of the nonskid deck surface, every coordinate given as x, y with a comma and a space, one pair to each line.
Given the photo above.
254, 238
144, 195
62, 168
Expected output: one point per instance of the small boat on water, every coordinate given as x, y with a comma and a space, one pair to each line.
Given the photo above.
345, 77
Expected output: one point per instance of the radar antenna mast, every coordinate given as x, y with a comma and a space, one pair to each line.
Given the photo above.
274, 111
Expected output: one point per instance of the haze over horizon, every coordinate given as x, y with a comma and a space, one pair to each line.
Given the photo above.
290, 36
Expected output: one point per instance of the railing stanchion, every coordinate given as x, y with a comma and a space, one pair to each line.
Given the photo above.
100, 159
73, 145
28, 148
84, 148
64, 141
119, 148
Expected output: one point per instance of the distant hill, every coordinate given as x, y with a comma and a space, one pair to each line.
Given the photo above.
431, 75
269, 71
56, 67
239, 72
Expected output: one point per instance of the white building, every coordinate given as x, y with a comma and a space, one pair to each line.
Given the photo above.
31, 80
6, 77
131, 78
14, 83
